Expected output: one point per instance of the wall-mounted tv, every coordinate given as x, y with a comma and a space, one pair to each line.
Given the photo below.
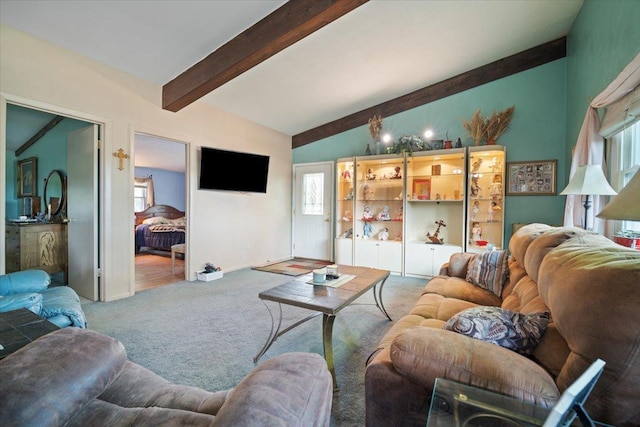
233, 171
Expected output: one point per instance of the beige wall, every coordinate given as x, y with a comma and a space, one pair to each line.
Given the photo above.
232, 230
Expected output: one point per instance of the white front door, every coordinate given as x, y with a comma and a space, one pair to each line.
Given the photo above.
313, 210
82, 211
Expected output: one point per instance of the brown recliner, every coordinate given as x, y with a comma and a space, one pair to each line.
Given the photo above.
78, 377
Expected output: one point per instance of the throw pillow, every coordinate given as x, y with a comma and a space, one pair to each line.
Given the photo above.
489, 270
516, 331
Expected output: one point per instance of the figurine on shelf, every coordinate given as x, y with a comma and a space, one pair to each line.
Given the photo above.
346, 174
368, 192
366, 230
397, 174
495, 165
366, 213
494, 212
384, 234
400, 215
347, 216
370, 175
435, 239
350, 195
475, 166
347, 233
383, 215
476, 231
475, 211
399, 197
475, 188
495, 189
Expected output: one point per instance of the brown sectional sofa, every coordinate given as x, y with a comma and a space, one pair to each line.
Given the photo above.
590, 286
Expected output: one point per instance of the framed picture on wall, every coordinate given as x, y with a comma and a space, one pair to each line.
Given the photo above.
27, 177
537, 178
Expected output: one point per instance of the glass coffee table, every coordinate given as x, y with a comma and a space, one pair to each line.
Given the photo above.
324, 300
459, 405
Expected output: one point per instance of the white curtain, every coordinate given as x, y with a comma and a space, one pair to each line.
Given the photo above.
590, 146
150, 200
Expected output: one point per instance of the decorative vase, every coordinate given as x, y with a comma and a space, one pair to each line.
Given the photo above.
367, 152
458, 143
491, 142
448, 144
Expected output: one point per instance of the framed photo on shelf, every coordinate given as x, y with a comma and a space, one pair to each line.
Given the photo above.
536, 178
421, 189
27, 177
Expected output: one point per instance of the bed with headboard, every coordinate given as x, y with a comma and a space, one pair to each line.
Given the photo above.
159, 227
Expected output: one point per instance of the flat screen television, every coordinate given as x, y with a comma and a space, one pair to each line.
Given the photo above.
233, 171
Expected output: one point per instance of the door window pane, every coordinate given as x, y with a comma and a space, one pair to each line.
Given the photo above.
312, 192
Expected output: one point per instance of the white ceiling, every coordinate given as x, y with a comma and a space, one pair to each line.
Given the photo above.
381, 50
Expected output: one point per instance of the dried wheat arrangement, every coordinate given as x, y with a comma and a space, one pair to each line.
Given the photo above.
375, 126
498, 123
475, 127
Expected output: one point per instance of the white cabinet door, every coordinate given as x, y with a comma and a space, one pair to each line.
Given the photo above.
376, 254
344, 251
425, 260
390, 256
366, 253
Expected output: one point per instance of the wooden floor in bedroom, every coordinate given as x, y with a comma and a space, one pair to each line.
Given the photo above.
153, 271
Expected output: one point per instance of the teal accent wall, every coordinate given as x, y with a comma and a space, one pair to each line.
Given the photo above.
551, 101
537, 131
51, 153
604, 38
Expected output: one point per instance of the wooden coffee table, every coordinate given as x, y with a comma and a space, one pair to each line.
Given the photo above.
325, 300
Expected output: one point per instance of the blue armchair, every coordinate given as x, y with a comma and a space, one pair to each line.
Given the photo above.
30, 289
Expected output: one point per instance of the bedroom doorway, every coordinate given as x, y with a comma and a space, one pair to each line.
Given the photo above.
160, 191
45, 132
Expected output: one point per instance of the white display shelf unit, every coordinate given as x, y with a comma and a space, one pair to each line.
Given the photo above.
378, 211
435, 194
485, 205
417, 192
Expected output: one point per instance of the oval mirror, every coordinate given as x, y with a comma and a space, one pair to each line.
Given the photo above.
54, 192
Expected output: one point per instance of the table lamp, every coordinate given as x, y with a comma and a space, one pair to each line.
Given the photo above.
626, 205
588, 181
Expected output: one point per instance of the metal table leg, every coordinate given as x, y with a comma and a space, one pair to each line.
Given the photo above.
327, 345
378, 298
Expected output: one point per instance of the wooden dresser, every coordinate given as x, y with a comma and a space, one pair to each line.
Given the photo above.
36, 246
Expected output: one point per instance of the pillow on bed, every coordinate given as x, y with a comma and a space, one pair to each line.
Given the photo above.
179, 222
155, 220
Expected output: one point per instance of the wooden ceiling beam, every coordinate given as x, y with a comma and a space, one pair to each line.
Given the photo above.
487, 73
285, 26
46, 128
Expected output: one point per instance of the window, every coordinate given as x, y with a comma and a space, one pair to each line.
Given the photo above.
312, 194
624, 148
140, 196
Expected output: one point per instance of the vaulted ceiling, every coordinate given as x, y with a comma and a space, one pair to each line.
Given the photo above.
308, 69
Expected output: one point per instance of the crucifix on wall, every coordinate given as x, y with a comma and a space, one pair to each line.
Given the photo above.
120, 154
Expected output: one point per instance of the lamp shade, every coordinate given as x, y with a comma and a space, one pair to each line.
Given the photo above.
589, 180
626, 205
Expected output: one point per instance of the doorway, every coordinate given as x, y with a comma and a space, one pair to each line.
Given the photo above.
313, 210
44, 134
160, 190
